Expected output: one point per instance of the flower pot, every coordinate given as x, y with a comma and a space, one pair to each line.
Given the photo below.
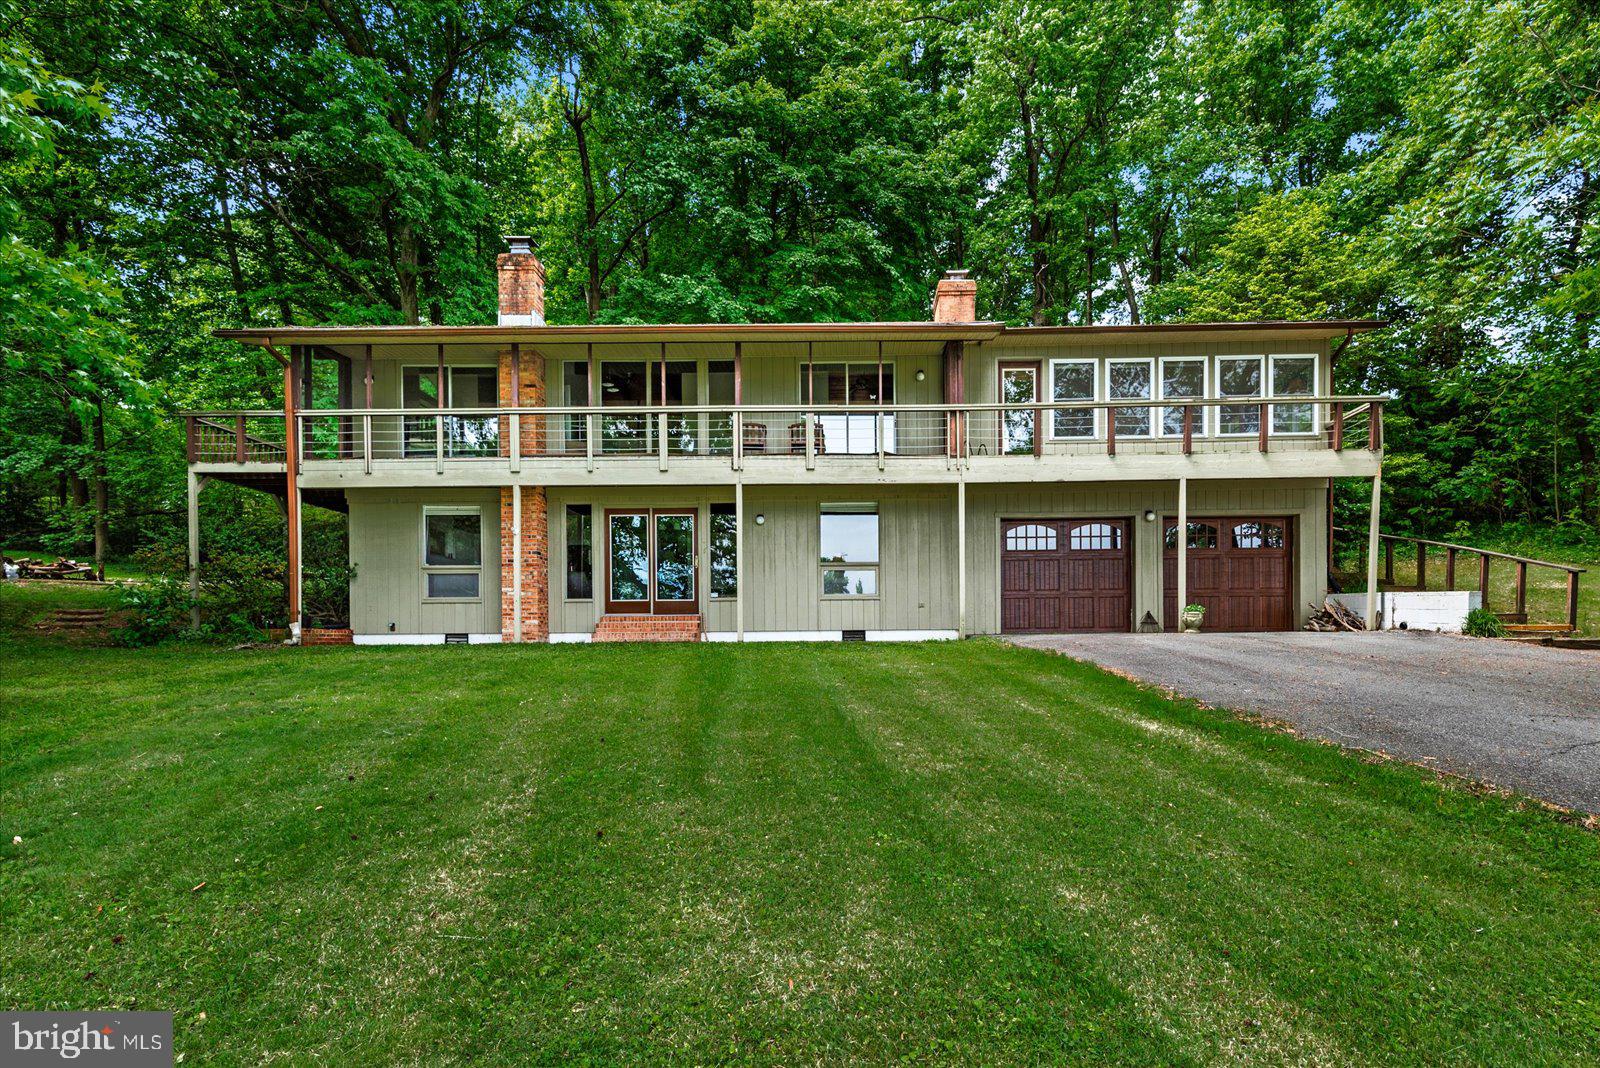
1190, 621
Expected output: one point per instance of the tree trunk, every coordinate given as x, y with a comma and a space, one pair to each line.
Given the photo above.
1129, 292
230, 242
578, 119
1088, 268
1038, 221
408, 268
102, 491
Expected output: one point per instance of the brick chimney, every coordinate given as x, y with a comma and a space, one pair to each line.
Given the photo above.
955, 299
521, 284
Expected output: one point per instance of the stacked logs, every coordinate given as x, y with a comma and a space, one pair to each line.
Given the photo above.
1333, 616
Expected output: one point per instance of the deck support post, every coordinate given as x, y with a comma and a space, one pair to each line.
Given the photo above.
1182, 534
961, 557
291, 496
1372, 553
516, 562
196, 484
738, 558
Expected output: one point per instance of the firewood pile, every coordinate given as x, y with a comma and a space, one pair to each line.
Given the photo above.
1334, 616
60, 568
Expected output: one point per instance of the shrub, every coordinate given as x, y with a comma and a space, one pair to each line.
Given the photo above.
1482, 623
155, 611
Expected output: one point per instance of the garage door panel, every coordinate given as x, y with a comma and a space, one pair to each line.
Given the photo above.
1065, 575
1243, 576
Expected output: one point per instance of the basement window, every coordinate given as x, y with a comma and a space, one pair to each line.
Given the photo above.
452, 553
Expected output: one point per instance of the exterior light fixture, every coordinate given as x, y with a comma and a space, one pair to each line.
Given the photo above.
1149, 515
761, 520
922, 376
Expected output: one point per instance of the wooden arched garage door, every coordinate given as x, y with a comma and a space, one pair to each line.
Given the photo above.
1240, 568
1065, 575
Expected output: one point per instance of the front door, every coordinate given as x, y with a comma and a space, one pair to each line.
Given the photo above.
651, 561
1019, 428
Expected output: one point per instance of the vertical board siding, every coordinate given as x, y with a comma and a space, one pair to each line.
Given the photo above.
386, 549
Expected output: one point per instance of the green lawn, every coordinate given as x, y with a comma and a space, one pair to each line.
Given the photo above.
774, 854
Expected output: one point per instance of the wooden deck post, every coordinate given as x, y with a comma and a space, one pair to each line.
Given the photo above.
1521, 601
1182, 534
739, 590
1111, 431
238, 438
1338, 426
1388, 563
1483, 577
1422, 566
291, 497
1572, 600
1450, 568
196, 484
961, 557
1372, 552
1188, 429
1261, 432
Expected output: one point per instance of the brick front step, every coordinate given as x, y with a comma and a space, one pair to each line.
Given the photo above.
326, 636
617, 628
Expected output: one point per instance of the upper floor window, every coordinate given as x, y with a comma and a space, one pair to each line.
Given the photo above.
1293, 376
1239, 376
1182, 378
1130, 380
1072, 380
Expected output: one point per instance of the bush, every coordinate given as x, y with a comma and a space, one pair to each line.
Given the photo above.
1482, 623
155, 611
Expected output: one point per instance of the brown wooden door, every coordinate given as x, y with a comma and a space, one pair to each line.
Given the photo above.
651, 561
1240, 567
1061, 575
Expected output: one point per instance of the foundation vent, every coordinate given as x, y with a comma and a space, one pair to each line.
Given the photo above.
455, 639
853, 635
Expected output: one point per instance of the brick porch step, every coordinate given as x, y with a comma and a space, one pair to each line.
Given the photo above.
621, 628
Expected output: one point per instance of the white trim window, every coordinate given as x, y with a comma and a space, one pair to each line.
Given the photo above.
1239, 376
848, 537
1131, 379
452, 553
1073, 380
1183, 378
1293, 375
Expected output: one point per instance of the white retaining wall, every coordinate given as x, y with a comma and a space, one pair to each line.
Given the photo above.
1442, 610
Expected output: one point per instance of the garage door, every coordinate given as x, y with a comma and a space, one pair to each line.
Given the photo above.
1064, 575
1240, 568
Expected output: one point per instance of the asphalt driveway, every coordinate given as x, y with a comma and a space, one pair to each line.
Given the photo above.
1518, 716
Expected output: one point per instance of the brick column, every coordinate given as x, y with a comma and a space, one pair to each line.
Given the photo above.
535, 621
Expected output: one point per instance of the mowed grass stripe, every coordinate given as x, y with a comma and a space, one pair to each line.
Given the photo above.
960, 851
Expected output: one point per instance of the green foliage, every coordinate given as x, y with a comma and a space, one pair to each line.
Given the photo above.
1482, 623
168, 168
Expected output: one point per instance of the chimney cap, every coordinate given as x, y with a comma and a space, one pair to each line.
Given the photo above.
958, 273
519, 243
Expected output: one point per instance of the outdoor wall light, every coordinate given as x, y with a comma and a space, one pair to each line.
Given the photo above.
922, 376
761, 520
1149, 515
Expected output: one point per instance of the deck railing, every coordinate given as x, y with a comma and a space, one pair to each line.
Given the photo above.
1517, 617
819, 433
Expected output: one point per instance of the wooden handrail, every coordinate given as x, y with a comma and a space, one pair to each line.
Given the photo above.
1451, 548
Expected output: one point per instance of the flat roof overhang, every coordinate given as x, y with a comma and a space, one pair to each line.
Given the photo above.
569, 335
789, 332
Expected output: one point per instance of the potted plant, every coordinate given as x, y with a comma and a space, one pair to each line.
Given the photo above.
1191, 617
